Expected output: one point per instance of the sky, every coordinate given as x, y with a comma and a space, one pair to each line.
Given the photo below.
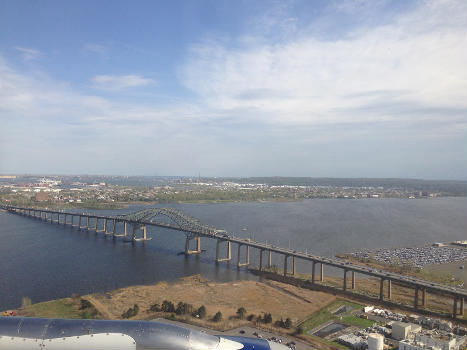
234, 88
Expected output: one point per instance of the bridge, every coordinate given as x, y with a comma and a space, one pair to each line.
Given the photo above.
194, 230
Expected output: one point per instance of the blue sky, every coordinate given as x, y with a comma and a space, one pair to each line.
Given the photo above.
234, 88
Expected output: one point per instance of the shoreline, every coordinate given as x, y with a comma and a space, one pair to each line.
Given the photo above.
125, 205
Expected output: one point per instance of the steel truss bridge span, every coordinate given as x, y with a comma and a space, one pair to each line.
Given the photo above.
184, 222
194, 230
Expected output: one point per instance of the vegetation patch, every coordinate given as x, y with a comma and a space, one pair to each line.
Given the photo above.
326, 314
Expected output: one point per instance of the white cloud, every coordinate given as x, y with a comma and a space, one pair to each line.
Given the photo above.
98, 49
416, 62
28, 53
389, 93
120, 82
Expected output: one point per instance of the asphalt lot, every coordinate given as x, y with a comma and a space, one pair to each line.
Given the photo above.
248, 333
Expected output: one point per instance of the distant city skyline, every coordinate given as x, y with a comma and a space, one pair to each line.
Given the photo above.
343, 89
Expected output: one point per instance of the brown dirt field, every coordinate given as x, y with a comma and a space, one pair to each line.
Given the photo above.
369, 287
279, 299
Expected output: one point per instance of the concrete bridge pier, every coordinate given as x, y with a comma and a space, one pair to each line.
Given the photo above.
345, 280
381, 289
96, 223
285, 264
124, 230
270, 259
247, 257
353, 280
461, 311
389, 289
294, 266
114, 228
187, 246
105, 228
261, 259
423, 297
415, 302
313, 272
321, 276
87, 223
229, 251
454, 308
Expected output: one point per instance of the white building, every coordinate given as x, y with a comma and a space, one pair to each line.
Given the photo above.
428, 342
401, 330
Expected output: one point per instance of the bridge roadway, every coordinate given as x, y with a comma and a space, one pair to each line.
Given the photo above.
418, 284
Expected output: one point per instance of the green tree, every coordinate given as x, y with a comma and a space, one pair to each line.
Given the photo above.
288, 323
167, 306
132, 311
267, 318
217, 317
182, 308
202, 312
241, 312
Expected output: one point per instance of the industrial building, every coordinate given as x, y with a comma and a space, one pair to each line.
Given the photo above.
401, 330
432, 341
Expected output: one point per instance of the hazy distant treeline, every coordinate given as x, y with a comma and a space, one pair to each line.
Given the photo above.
444, 186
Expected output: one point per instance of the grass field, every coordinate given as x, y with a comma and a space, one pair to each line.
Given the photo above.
325, 314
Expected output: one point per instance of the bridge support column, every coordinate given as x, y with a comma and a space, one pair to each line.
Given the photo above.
96, 222
454, 308
285, 264
261, 259
124, 230
187, 246
79, 221
415, 303
461, 311
294, 266
381, 289
389, 289
423, 297
125, 224
247, 257
321, 276
353, 280
87, 223
270, 259
345, 280
313, 272
105, 228
114, 229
